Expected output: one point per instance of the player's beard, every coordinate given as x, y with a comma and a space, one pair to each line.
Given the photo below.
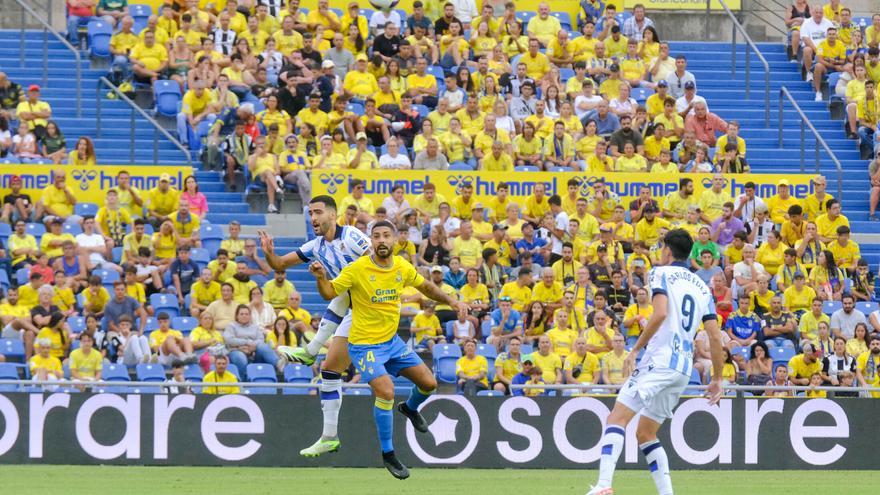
383, 252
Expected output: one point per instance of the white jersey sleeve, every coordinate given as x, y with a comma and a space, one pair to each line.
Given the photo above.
689, 302
355, 241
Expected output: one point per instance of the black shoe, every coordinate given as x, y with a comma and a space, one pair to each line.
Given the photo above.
417, 420
394, 466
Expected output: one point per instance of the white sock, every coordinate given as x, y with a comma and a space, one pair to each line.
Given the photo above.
331, 402
658, 463
612, 446
326, 329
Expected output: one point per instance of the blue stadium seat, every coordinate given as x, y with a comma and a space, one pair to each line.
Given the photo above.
107, 276
438, 72
423, 110
193, 373
35, 229
565, 74
99, 33
166, 303
5, 230
71, 228
141, 13
76, 323
745, 352
117, 254
150, 372
297, 373
151, 325
9, 371
167, 95
200, 255
829, 307
258, 372
364, 12
12, 349
85, 209
524, 16
185, 324
464, 167
526, 349
355, 108
867, 307
211, 232
490, 393
355, 391
115, 373
564, 19
338, 12
695, 378
4, 281
445, 356
782, 354
526, 168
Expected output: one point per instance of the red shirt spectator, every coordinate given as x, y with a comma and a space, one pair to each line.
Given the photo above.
81, 8
704, 124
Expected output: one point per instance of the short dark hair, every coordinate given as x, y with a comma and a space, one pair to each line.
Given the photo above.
386, 224
555, 200
328, 201
680, 242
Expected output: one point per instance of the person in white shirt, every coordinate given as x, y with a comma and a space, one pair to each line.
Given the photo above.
223, 36
394, 159
812, 33
587, 101
678, 78
682, 303
381, 17
747, 272
685, 104
747, 202
465, 10
95, 246
395, 205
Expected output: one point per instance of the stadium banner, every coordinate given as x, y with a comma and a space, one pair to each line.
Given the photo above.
480, 432
683, 4
378, 183
90, 184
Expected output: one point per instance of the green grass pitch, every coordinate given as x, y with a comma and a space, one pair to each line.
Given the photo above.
132, 480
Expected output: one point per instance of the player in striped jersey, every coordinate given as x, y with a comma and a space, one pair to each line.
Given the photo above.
335, 248
681, 301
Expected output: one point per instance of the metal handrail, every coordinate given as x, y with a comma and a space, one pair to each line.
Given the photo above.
157, 128
26, 9
753, 10
806, 124
750, 46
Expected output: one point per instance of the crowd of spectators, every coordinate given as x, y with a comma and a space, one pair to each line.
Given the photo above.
29, 135
828, 42
562, 275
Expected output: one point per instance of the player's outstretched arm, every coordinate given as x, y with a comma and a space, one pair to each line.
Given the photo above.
267, 243
325, 287
716, 349
433, 292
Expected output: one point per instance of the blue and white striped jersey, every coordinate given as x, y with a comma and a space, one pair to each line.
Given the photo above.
689, 302
348, 245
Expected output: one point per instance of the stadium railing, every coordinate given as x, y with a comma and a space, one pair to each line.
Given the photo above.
47, 29
750, 46
784, 95
103, 83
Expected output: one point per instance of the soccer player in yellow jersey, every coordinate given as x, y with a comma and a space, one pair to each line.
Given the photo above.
375, 283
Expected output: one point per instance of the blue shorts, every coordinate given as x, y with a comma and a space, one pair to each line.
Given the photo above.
375, 360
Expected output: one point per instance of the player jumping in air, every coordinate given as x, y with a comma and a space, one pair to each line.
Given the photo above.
334, 248
375, 284
681, 301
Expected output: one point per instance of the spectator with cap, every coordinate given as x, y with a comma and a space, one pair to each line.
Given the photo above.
779, 203
162, 201
34, 112
802, 366
685, 104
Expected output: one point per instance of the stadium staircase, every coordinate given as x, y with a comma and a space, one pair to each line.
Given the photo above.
710, 63
113, 146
